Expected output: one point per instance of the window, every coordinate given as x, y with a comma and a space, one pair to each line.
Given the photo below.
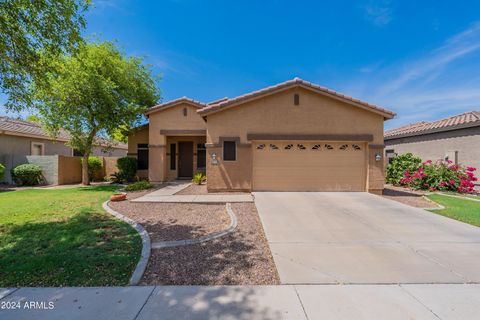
142, 156
229, 151
173, 161
201, 156
37, 149
296, 99
390, 154
77, 153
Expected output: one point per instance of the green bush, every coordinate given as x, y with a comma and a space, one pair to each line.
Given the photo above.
199, 178
127, 167
27, 175
95, 165
400, 164
139, 185
2, 171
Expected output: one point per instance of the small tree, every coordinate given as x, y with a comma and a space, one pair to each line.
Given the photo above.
93, 94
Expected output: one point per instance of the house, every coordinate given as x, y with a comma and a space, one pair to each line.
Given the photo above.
456, 138
20, 139
294, 136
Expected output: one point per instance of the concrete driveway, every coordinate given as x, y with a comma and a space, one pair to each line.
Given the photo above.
342, 237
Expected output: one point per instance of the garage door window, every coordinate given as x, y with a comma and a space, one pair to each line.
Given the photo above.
229, 151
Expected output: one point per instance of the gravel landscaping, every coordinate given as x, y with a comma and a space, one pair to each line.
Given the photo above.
175, 221
240, 258
408, 197
195, 189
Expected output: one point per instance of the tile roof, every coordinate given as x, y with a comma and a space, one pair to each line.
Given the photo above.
466, 119
21, 127
210, 108
173, 103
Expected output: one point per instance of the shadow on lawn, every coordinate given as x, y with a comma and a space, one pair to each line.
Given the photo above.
88, 249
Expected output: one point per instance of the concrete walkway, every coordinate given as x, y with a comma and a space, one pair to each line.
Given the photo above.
410, 301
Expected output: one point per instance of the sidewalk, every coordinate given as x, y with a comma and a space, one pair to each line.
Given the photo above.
415, 301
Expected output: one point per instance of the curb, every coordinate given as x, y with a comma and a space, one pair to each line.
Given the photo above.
146, 246
459, 197
440, 207
215, 235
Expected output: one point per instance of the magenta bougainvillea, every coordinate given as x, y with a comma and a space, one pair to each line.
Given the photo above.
440, 176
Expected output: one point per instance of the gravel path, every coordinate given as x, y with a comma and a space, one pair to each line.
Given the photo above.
172, 221
240, 258
408, 197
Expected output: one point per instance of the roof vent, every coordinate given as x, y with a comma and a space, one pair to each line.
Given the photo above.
296, 99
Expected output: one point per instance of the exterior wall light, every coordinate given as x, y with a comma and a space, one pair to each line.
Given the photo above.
378, 157
214, 159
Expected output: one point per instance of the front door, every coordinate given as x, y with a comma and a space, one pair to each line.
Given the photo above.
185, 159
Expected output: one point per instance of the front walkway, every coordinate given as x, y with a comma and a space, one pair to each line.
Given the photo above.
409, 301
168, 195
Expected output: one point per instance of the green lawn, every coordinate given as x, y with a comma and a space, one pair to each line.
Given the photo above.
459, 209
63, 237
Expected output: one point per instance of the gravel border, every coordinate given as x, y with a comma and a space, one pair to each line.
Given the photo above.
146, 246
215, 235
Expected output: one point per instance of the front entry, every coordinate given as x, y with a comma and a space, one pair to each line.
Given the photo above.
185, 159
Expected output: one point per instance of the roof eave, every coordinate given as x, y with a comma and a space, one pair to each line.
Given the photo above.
435, 130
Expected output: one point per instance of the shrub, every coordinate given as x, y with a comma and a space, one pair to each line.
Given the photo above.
127, 167
441, 176
199, 178
116, 177
400, 164
139, 185
27, 175
2, 171
95, 165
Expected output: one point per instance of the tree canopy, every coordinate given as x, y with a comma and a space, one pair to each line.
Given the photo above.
30, 30
94, 93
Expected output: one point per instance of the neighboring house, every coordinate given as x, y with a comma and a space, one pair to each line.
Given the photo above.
455, 138
19, 139
294, 136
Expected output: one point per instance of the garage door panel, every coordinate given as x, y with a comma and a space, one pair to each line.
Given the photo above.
309, 169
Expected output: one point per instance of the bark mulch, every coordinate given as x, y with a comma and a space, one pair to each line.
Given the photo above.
172, 221
240, 258
409, 197
195, 189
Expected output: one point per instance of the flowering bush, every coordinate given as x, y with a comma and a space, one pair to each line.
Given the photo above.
400, 164
440, 175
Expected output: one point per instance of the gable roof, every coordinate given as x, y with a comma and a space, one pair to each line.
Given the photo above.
15, 127
173, 103
464, 120
297, 82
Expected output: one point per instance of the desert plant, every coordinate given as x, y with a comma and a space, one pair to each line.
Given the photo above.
95, 165
116, 177
27, 174
127, 167
400, 164
199, 178
139, 185
2, 171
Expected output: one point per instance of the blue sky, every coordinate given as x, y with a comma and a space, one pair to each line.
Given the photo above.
418, 58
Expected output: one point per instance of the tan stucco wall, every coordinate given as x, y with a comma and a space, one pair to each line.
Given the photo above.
69, 170
168, 119
435, 146
136, 137
276, 114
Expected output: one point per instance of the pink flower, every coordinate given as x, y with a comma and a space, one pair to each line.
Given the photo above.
471, 169
453, 167
451, 181
433, 189
449, 161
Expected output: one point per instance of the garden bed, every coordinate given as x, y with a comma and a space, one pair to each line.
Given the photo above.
409, 197
241, 258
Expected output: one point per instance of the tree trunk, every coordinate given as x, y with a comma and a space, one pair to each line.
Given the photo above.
85, 177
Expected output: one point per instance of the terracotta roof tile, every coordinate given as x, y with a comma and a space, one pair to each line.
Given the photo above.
33, 129
175, 102
450, 123
210, 108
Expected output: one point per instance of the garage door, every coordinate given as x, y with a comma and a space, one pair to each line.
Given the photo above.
309, 166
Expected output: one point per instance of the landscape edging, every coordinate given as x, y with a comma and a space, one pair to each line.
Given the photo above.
146, 244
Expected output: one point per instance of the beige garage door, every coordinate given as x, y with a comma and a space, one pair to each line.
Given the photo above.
309, 166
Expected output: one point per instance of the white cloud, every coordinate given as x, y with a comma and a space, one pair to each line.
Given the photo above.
441, 82
379, 12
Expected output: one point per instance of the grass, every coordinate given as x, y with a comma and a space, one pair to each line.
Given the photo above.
463, 210
63, 237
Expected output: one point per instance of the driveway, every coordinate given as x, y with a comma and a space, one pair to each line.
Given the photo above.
342, 237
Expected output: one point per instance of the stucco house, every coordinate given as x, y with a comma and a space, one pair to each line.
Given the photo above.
456, 138
20, 139
294, 136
